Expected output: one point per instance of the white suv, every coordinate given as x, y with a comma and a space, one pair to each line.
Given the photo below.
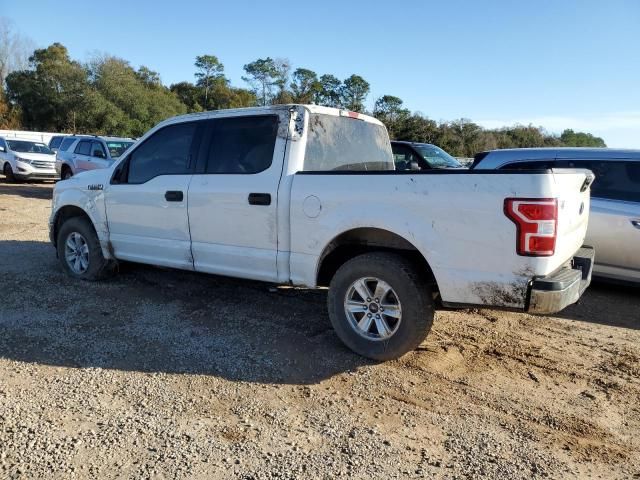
26, 160
81, 153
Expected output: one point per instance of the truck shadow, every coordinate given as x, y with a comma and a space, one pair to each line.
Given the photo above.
38, 190
607, 304
159, 320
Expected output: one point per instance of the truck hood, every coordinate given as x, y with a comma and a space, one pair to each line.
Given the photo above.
91, 180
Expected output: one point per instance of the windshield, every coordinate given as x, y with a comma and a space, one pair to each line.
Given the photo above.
343, 143
24, 146
436, 157
117, 148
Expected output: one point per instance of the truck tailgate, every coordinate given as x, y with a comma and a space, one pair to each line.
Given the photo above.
572, 189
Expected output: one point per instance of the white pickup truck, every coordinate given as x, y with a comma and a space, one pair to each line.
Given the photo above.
308, 195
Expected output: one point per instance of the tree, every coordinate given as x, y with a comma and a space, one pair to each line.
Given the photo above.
329, 93
354, 92
189, 94
389, 110
51, 92
569, 138
209, 69
14, 50
305, 86
263, 75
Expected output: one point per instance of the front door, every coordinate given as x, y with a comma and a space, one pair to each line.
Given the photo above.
233, 197
98, 156
146, 201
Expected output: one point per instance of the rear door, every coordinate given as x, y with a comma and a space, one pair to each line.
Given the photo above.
614, 224
233, 197
146, 200
81, 156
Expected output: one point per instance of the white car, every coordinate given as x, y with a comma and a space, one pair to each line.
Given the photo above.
26, 160
309, 195
84, 152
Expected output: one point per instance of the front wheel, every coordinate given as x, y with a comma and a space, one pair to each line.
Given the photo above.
380, 306
8, 173
79, 250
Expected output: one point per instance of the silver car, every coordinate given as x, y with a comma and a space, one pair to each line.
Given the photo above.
80, 153
614, 222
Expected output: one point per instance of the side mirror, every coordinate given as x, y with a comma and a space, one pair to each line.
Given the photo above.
2, 149
99, 154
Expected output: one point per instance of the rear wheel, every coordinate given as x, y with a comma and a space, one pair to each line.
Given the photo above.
79, 250
380, 306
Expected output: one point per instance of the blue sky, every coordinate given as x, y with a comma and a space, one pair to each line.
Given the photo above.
558, 64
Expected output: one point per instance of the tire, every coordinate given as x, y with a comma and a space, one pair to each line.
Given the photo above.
8, 173
79, 232
66, 173
410, 297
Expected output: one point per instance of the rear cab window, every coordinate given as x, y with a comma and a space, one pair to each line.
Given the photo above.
241, 145
345, 143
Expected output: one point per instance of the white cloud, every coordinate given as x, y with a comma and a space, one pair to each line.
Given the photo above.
620, 129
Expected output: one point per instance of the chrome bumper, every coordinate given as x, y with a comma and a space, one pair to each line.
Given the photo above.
554, 292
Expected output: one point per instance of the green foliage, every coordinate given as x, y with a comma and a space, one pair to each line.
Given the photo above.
329, 94
263, 75
109, 96
209, 70
305, 86
570, 138
354, 92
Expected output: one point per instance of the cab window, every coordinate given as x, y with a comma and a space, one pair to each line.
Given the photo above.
242, 144
97, 150
166, 152
403, 156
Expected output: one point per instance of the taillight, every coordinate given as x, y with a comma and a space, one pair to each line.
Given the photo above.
536, 222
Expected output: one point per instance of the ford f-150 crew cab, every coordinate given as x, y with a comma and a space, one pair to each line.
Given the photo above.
309, 196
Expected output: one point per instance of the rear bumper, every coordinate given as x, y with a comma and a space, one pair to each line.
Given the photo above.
564, 287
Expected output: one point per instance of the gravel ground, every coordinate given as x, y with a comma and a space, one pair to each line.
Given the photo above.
165, 374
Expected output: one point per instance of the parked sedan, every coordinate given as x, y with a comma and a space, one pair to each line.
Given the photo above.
26, 160
614, 223
421, 156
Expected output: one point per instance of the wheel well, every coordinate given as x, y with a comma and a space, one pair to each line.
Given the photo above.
64, 167
64, 214
355, 242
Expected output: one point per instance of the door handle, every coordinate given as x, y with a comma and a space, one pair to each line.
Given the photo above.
259, 199
173, 196
635, 223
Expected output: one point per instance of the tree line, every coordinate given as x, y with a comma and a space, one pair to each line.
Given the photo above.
106, 95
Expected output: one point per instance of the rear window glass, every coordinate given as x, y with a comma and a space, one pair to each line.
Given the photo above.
343, 143
55, 142
66, 143
84, 147
614, 180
